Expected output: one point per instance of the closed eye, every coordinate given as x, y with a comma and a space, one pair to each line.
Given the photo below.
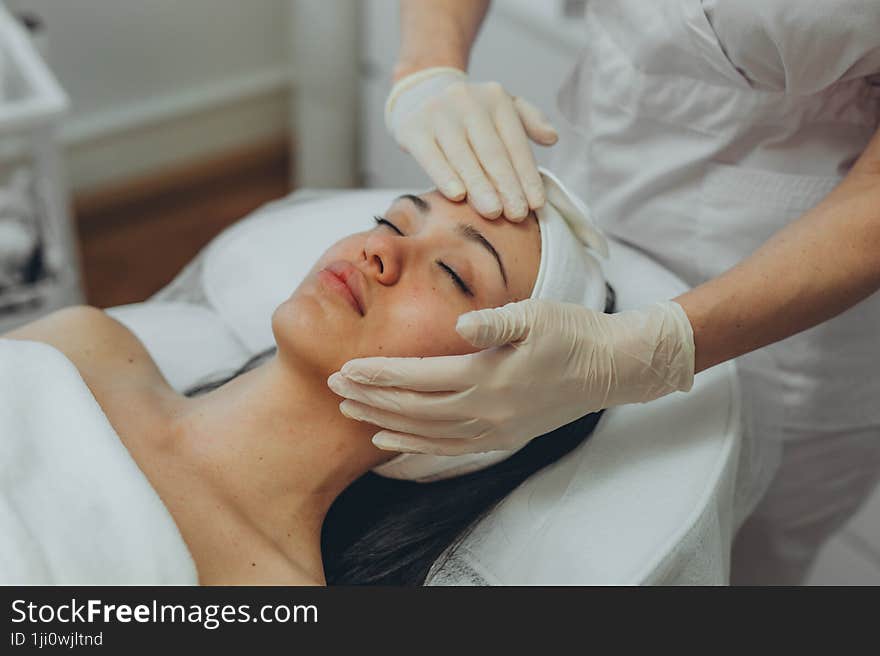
381, 220
455, 278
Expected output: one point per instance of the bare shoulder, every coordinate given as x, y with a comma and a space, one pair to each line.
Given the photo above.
103, 350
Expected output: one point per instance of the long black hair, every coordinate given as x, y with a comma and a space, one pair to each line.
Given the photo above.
381, 531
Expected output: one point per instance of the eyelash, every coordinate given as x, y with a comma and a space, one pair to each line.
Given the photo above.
455, 278
452, 274
380, 220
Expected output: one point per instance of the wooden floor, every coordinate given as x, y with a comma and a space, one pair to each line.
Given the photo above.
132, 244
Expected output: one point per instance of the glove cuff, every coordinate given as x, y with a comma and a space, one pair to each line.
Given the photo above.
429, 82
679, 336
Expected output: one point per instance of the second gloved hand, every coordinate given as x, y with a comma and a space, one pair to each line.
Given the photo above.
471, 138
544, 364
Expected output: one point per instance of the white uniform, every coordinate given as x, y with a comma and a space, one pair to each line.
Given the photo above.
703, 127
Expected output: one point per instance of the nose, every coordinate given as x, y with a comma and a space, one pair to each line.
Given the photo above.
383, 255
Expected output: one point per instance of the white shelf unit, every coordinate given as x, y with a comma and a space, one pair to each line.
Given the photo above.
32, 105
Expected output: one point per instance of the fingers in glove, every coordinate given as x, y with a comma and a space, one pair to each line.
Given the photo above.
419, 405
495, 160
496, 326
429, 156
392, 421
444, 373
512, 133
538, 127
481, 193
406, 443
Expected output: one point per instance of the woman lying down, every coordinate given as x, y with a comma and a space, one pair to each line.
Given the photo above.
266, 481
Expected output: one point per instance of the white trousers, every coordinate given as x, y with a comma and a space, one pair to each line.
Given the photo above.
821, 482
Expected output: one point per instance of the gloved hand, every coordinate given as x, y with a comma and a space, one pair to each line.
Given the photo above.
471, 139
551, 363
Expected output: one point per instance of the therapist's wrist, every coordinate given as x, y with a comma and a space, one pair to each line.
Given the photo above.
702, 310
406, 67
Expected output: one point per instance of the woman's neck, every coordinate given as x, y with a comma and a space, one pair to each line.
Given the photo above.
274, 445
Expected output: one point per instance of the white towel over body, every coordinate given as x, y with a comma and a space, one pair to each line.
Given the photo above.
75, 509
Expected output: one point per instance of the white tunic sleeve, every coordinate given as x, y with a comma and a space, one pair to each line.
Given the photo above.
797, 46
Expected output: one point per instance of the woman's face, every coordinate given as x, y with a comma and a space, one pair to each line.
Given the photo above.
398, 288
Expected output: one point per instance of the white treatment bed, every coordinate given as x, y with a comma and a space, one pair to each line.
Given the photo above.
653, 497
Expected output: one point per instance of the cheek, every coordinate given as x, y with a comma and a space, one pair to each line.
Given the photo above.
420, 323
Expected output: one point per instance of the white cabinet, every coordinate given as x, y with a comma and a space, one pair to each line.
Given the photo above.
39, 263
527, 46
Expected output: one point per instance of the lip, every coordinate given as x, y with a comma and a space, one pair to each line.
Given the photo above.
348, 280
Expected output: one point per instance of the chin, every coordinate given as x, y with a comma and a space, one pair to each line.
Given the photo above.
310, 334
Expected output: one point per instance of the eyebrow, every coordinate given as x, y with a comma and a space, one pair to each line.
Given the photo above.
470, 232
420, 203
464, 229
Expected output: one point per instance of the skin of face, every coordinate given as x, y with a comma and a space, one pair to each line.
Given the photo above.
410, 301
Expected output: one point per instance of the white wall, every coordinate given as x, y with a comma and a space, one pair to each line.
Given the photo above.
155, 82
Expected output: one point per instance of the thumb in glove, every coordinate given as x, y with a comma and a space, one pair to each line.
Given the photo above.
494, 326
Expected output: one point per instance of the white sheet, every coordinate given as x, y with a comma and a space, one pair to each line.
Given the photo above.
75, 509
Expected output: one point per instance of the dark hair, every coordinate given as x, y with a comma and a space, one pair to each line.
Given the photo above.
381, 531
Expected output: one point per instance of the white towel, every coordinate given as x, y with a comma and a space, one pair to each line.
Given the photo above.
75, 509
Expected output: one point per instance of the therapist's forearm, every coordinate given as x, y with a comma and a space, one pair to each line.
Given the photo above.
437, 33
812, 270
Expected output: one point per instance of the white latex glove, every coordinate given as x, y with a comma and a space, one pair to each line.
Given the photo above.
471, 139
552, 363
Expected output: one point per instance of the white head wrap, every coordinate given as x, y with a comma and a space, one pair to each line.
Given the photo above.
569, 272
